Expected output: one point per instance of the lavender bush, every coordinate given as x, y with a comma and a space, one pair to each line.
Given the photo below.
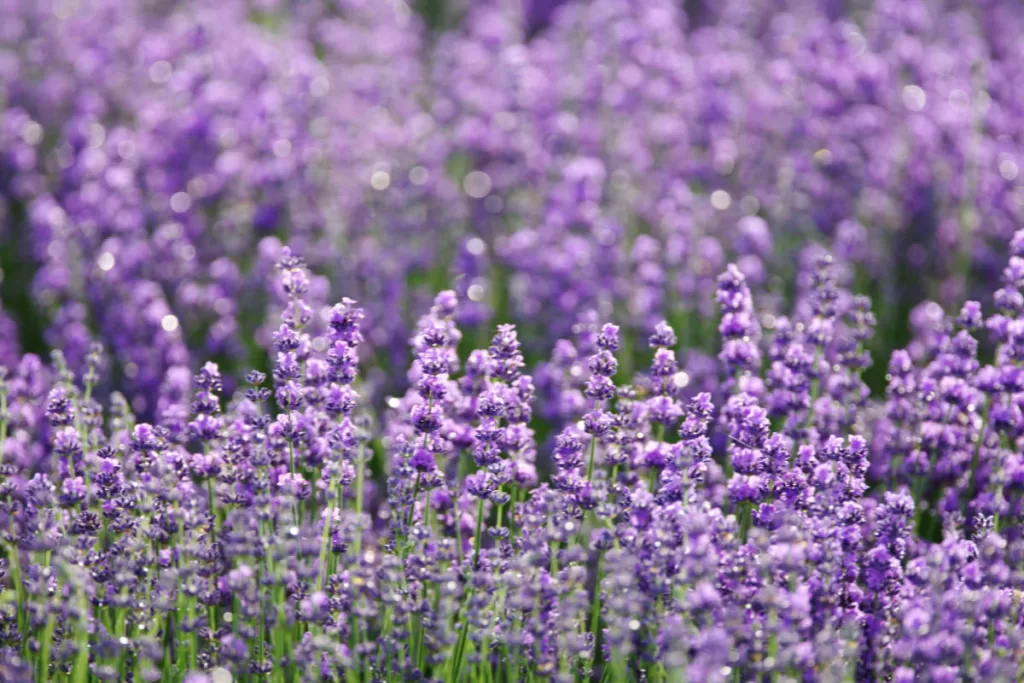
478, 341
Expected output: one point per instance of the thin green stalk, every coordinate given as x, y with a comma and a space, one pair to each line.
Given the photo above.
278, 645
137, 668
617, 670
415, 494
14, 559
972, 486
773, 644
168, 659
122, 659
211, 615
659, 435
84, 438
262, 630
388, 625
19, 591
590, 461
460, 645
595, 612
80, 671
360, 466
190, 614
997, 522
590, 478
181, 649
516, 491
213, 508
459, 650
479, 532
325, 536
744, 513
418, 638
45, 644
485, 647
815, 388
458, 531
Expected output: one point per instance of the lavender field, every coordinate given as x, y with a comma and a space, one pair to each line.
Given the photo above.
501, 341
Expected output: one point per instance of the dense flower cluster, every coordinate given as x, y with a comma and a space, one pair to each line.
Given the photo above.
783, 527
545, 159
552, 340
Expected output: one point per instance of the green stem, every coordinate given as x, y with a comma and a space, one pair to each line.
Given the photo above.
325, 536
773, 644
415, 494
360, 465
590, 461
479, 531
213, 508
972, 487
460, 645
815, 388
595, 612
745, 513
83, 437
19, 591
44, 655
590, 478
193, 650
80, 672
458, 529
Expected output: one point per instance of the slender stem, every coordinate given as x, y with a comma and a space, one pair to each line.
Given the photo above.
45, 644
415, 493
595, 611
190, 613
80, 672
972, 487
261, 631
181, 650
458, 529
213, 508
19, 591
325, 536
463, 634
479, 531
659, 436
460, 646
745, 518
590, 462
590, 478
815, 388
360, 465
83, 437
14, 559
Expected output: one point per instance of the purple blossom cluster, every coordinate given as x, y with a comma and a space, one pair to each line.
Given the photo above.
551, 161
784, 526
487, 341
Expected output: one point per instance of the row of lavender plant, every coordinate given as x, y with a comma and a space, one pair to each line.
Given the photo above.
155, 155
783, 527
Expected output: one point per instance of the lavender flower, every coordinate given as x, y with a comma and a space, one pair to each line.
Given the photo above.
209, 473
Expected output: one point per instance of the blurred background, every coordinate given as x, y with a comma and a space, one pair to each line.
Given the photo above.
554, 162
